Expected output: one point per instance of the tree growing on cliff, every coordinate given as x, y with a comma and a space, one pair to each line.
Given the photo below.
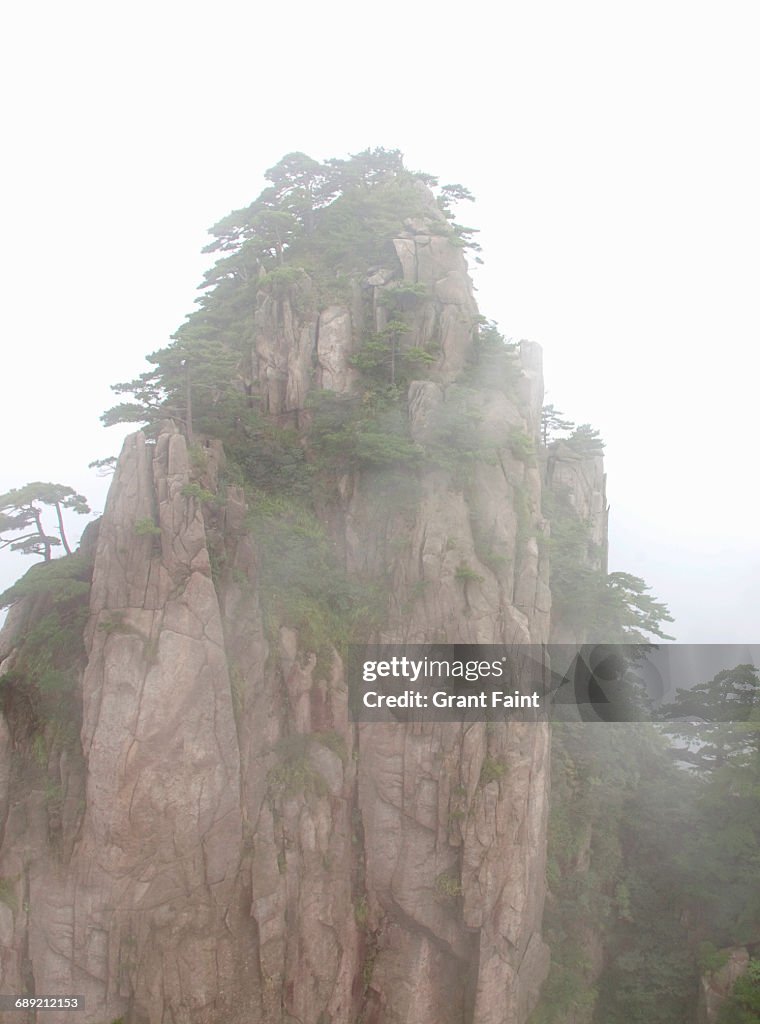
310, 232
21, 513
301, 245
716, 732
726, 715
552, 424
743, 1005
627, 608
586, 440
604, 607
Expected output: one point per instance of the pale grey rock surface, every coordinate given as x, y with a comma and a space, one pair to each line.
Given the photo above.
231, 847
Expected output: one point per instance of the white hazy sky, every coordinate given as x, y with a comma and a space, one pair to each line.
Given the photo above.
615, 155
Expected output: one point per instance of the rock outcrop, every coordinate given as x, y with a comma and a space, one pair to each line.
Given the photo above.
136, 918
715, 986
577, 485
233, 847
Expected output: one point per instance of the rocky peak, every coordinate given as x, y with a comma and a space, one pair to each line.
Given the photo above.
239, 850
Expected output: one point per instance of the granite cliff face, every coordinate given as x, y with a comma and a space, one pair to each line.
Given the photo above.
579, 482
223, 844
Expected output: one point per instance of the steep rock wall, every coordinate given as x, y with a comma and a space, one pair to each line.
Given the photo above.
580, 481
241, 851
134, 920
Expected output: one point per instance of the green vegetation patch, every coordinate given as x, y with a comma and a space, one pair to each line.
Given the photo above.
448, 885
303, 585
466, 574
8, 893
146, 527
294, 774
492, 770
608, 608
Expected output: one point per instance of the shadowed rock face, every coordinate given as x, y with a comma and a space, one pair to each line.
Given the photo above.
234, 849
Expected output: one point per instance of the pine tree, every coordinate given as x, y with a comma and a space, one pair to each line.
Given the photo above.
552, 423
20, 511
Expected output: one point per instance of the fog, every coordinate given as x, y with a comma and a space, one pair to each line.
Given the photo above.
614, 158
